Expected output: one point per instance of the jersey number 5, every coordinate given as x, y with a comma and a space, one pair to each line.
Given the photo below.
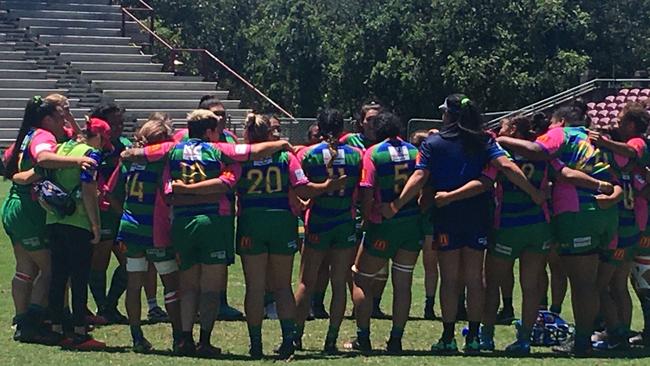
401, 176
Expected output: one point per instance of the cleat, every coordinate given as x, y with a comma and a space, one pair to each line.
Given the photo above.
185, 348
86, 343
157, 315
113, 316
445, 348
318, 311
359, 344
486, 343
255, 351
640, 339
207, 351
142, 346
286, 350
519, 347
394, 346
472, 346
569, 348
297, 344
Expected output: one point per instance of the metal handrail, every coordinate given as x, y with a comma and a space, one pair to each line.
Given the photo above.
202, 51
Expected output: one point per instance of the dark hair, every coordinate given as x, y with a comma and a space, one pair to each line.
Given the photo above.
572, 116
387, 125
104, 110
637, 114
330, 123
523, 126
209, 101
37, 109
200, 121
465, 121
581, 109
540, 123
309, 132
367, 107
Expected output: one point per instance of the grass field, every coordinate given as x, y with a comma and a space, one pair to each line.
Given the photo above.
233, 339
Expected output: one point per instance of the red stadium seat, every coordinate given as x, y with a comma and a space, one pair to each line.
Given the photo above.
642, 98
604, 122
613, 114
632, 99
624, 92
645, 92
603, 113
620, 99
601, 106
610, 98
594, 121
612, 106
592, 113
591, 105
634, 92
614, 122
620, 106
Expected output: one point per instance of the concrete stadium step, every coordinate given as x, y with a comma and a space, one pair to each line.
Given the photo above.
12, 55
17, 65
29, 84
76, 5
115, 66
11, 123
8, 135
89, 48
133, 76
23, 74
96, 2
143, 113
164, 104
81, 23
71, 13
154, 85
22, 102
7, 46
27, 93
165, 94
75, 31
89, 57
91, 40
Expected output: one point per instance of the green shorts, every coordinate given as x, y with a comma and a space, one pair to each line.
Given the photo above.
643, 250
509, 243
385, 239
272, 232
427, 223
110, 225
585, 232
342, 236
153, 255
203, 239
24, 222
617, 257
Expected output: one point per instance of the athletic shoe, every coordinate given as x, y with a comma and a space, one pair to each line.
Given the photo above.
157, 315
377, 313
142, 346
330, 348
486, 343
519, 347
569, 348
207, 351
429, 313
286, 350
185, 347
318, 311
297, 344
445, 348
96, 320
28, 334
599, 336
394, 346
113, 316
271, 311
505, 316
472, 346
227, 312
640, 340
611, 344
255, 351
362, 345
86, 343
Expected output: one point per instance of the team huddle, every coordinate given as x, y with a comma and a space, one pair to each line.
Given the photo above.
180, 204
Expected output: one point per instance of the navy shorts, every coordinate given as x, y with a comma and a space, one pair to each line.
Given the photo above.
462, 227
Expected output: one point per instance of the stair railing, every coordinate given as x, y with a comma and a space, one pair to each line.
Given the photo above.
175, 52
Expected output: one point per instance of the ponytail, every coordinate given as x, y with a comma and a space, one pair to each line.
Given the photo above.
468, 125
330, 125
257, 128
35, 111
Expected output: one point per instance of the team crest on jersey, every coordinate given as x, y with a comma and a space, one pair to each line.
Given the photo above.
263, 162
399, 155
300, 174
138, 167
192, 152
339, 160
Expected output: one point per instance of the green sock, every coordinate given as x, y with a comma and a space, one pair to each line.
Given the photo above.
255, 334
332, 332
288, 327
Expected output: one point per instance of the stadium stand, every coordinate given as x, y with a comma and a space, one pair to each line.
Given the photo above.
604, 114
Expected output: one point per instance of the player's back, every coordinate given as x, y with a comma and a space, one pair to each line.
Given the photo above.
265, 183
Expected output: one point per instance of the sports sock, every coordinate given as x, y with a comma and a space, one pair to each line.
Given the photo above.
557, 309
118, 286
288, 327
136, 333
318, 298
363, 333
204, 337
507, 304
255, 334
430, 301
473, 330
152, 303
97, 284
332, 332
396, 332
448, 329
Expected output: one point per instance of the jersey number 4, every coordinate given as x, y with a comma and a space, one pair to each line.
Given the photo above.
136, 189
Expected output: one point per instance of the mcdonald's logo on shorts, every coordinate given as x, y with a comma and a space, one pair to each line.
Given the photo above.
246, 242
122, 247
645, 242
619, 254
380, 245
443, 240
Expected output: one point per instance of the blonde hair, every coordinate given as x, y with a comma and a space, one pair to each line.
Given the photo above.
418, 137
200, 115
257, 128
155, 130
57, 99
